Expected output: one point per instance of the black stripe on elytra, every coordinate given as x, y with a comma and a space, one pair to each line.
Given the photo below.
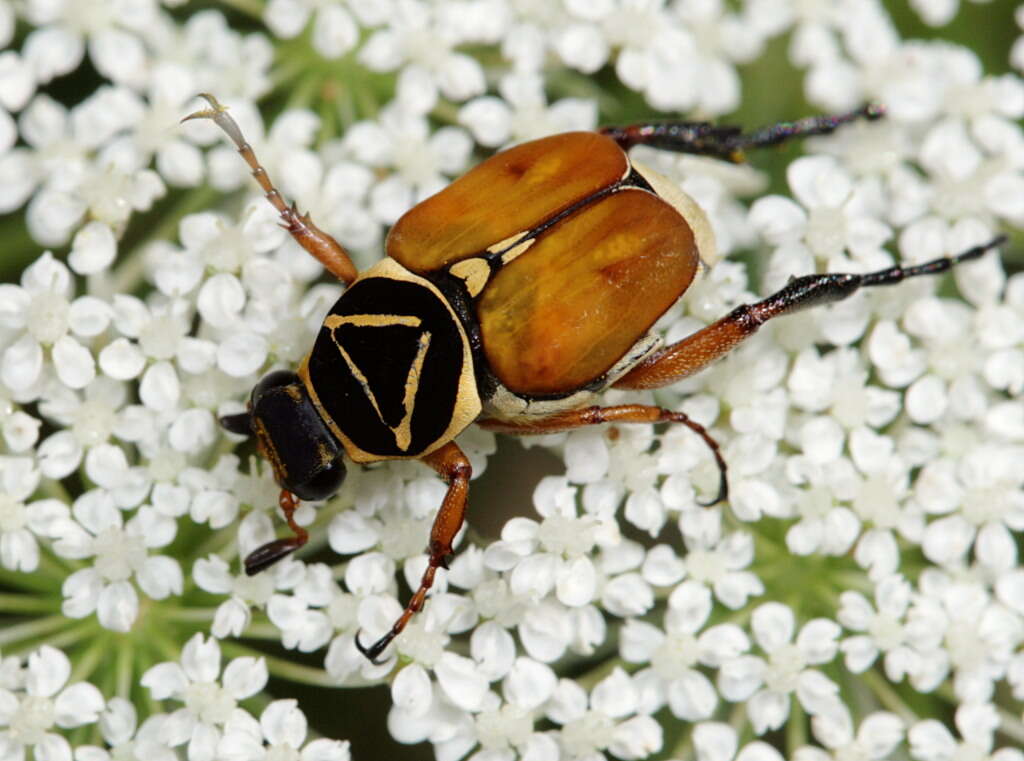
383, 356
632, 180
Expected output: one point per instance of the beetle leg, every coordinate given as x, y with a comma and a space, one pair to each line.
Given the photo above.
265, 556
697, 351
453, 467
319, 244
729, 142
622, 413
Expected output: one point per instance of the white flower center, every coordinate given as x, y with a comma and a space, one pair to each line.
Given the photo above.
415, 162
852, 752
887, 632
826, 232
166, 464
160, 337
34, 716
109, 197
815, 502
589, 733
423, 645
93, 423
784, 668
126, 751
12, 514
632, 27
89, 16
208, 702
493, 600
404, 538
850, 408
571, 537
281, 753
424, 47
254, 589
952, 359
966, 649
118, 554
985, 505
970, 752
675, 656
876, 503
706, 566
47, 318
505, 728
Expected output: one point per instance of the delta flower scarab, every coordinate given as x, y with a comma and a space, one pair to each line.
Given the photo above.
511, 299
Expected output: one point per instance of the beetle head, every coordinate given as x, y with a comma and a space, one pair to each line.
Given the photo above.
304, 454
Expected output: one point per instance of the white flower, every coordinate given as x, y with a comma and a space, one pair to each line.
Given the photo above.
718, 560
767, 684
955, 626
982, 502
234, 615
419, 42
120, 552
39, 315
279, 733
607, 719
838, 218
126, 739
976, 723
877, 737
825, 525
23, 522
210, 697
113, 33
715, 741
401, 140
552, 556
29, 717
885, 630
522, 112
334, 30
675, 654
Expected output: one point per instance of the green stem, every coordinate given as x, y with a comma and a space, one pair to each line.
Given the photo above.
267, 632
85, 663
887, 696
285, 669
124, 672
31, 631
1011, 726
189, 615
252, 8
796, 727
25, 604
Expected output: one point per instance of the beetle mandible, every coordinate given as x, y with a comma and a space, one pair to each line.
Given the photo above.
510, 299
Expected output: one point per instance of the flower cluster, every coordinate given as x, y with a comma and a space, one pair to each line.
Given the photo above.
863, 581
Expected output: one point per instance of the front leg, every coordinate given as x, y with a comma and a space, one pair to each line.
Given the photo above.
452, 465
319, 244
266, 555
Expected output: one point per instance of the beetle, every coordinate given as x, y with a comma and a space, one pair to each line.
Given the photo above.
511, 299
